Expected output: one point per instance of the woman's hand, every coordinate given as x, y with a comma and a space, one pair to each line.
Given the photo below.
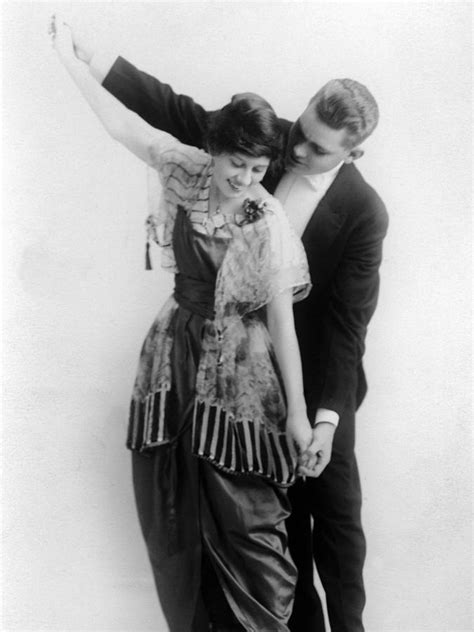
299, 429
281, 326
316, 457
61, 36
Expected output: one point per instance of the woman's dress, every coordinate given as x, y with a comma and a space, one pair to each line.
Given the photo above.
208, 386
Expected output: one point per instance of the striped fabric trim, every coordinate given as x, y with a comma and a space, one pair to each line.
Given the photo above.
238, 447
198, 169
242, 447
147, 426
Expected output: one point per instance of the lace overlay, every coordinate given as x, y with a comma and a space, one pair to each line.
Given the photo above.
154, 371
179, 176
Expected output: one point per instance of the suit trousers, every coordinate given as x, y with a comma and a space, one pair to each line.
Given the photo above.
325, 525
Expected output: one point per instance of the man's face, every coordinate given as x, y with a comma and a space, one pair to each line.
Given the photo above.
314, 147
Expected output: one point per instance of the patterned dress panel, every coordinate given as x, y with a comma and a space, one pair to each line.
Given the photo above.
238, 402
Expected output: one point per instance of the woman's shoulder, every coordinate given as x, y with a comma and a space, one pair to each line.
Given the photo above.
261, 195
187, 154
275, 216
174, 156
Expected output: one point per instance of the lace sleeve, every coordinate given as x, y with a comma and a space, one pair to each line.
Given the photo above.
288, 262
264, 258
175, 176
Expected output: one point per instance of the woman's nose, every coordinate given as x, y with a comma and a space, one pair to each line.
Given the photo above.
245, 177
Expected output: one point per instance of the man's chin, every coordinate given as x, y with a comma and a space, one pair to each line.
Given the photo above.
294, 167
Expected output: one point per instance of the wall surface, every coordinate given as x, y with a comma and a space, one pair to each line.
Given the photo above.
77, 302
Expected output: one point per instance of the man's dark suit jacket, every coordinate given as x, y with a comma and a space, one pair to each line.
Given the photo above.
343, 243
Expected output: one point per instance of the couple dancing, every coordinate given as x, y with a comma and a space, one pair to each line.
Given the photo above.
242, 415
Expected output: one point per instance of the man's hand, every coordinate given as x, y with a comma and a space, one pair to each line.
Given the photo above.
61, 36
84, 46
318, 454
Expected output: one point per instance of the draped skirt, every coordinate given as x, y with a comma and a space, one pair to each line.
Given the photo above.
216, 541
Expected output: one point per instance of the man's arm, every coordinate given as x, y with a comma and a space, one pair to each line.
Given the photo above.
152, 100
157, 103
353, 300
352, 304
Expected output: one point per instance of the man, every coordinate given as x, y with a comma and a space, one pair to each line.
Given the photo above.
342, 223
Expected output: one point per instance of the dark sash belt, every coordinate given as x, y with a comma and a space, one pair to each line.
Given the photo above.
195, 295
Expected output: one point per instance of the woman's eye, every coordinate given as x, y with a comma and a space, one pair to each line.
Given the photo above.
235, 164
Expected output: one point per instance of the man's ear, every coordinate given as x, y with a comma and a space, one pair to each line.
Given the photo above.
354, 155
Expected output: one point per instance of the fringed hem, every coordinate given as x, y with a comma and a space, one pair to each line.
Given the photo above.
147, 426
242, 447
219, 466
234, 446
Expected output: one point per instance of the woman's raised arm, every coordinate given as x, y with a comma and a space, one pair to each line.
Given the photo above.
121, 124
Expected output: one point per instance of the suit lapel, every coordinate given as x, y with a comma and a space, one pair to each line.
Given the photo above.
331, 213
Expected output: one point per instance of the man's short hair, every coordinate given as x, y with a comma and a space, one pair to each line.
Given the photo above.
345, 103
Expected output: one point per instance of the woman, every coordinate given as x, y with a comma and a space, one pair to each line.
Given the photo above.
219, 375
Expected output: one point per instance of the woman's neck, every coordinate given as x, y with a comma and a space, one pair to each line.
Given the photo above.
220, 203
230, 205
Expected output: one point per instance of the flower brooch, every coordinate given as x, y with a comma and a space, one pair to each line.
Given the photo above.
252, 210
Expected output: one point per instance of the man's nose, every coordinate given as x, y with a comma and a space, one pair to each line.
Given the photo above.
299, 150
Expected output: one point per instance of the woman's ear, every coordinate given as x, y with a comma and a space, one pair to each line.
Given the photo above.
354, 155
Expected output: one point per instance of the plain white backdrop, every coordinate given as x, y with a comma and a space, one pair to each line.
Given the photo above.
77, 301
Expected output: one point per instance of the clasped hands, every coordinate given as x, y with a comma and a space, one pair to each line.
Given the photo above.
315, 457
314, 444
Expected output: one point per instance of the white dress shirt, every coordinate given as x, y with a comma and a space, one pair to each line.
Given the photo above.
300, 195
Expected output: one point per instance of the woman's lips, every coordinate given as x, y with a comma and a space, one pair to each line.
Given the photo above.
235, 187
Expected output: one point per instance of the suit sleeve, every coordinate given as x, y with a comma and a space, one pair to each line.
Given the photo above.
157, 103
352, 303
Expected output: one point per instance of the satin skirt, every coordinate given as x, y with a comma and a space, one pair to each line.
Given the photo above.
217, 543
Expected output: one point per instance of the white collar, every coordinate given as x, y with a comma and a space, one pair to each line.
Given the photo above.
318, 180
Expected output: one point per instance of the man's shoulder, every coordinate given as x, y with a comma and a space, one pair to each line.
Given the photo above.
353, 190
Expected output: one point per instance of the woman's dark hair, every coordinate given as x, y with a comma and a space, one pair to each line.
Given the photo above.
246, 125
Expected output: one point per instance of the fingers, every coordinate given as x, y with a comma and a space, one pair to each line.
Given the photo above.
313, 472
311, 463
313, 459
313, 453
52, 27
301, 434
306, 473
303, 445
55, 23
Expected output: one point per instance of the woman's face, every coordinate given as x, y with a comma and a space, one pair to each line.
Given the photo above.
235, 174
